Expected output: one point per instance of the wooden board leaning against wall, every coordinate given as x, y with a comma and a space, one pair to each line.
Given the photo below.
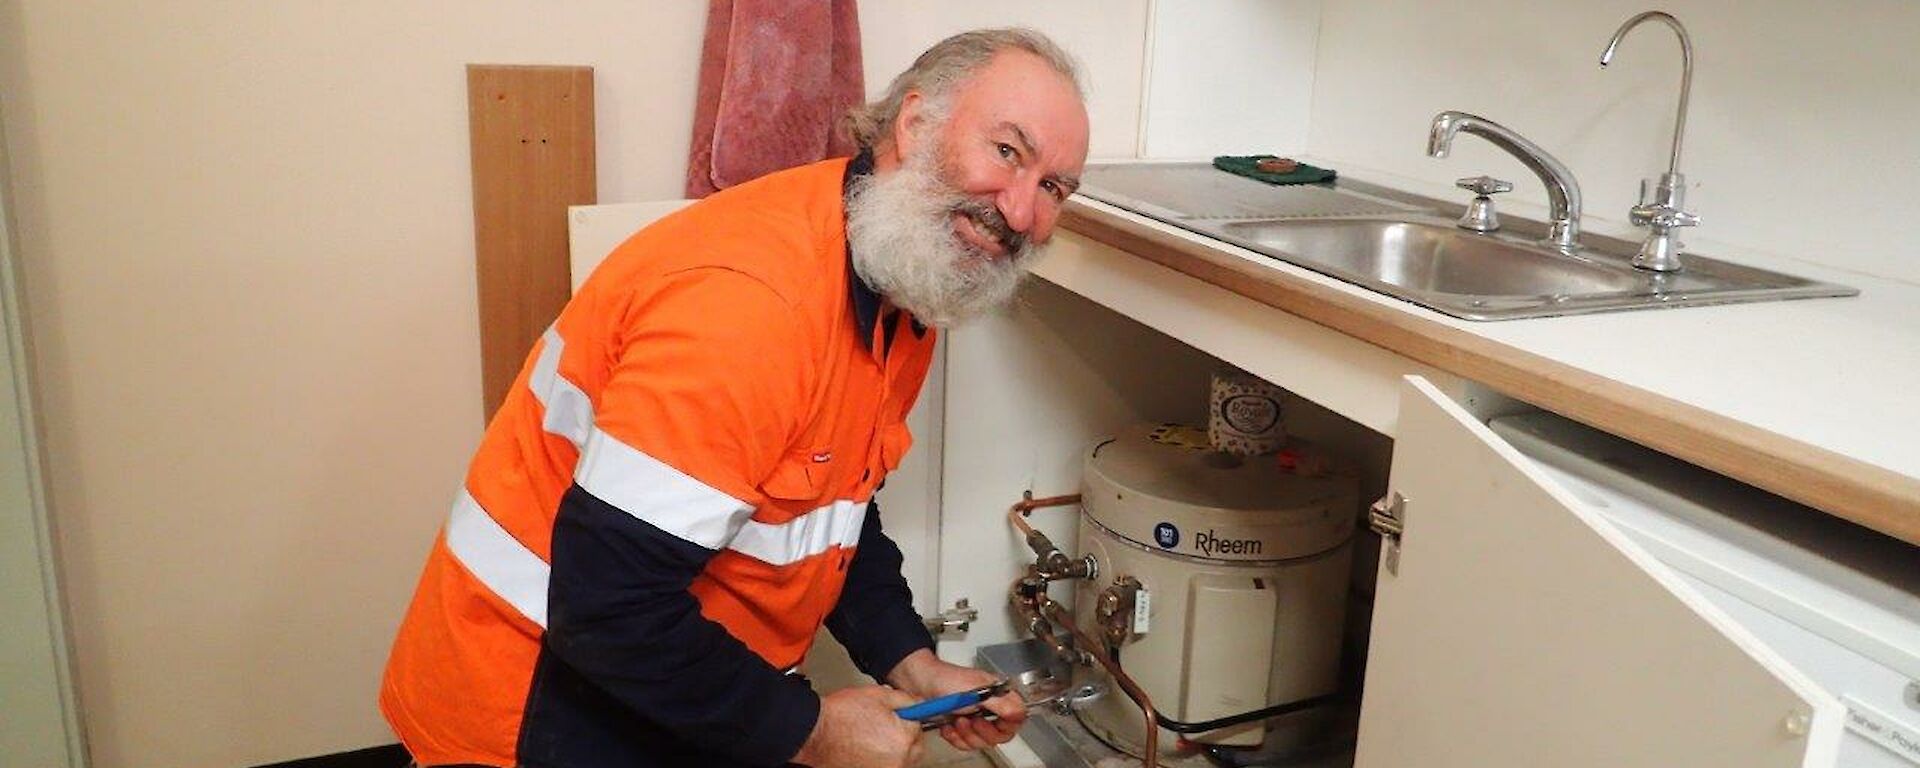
532, 145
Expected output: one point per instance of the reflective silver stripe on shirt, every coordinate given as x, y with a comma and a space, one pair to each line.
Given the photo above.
834, 525
671, 500
497, 559
653, 491
567, 410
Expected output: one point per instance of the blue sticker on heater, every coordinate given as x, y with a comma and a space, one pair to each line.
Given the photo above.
1166, 535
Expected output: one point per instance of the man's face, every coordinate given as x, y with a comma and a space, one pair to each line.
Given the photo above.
965, 199
1016, 139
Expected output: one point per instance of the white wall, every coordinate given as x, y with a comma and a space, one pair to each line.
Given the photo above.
246, 230
1800, 139
1229, 77
246, 236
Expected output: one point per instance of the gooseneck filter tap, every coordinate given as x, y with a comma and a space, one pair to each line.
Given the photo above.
1661, 209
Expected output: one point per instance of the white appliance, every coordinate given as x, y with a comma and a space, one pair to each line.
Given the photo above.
1224, 580
1839, 602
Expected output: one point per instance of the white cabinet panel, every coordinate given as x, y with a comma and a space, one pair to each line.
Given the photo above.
1522, 630
594, 230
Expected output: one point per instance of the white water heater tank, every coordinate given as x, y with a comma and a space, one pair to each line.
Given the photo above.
1224, 577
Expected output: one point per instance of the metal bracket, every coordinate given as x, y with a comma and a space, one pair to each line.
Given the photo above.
1388, 517
952, 621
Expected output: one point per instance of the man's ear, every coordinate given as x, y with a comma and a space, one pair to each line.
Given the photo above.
906, 124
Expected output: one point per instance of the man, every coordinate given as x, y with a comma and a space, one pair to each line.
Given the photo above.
674, 496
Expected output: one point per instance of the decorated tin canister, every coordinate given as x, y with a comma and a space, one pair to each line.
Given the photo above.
1245, 415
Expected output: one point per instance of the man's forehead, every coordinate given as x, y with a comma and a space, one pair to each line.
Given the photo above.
1020, 93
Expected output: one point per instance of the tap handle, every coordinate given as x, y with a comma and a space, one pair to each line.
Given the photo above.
1484, 185
1480, 215
1677, 219
1662, 218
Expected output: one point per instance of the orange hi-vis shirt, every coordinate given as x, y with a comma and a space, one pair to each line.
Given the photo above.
669, 502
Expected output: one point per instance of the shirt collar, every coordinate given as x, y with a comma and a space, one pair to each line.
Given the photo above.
864, 300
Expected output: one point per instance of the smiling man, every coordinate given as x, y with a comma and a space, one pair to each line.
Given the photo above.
676, 494
969, 179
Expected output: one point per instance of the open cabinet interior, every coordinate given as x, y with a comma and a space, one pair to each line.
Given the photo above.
1508, 619
1029, 391
1514, 627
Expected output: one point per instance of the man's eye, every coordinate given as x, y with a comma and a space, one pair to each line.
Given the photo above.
1005, 150
1055, 190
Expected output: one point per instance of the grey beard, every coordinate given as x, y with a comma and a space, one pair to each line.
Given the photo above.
904, 246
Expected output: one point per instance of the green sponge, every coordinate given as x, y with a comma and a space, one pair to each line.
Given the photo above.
1245, 165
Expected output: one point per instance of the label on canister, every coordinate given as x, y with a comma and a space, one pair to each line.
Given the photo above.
1142, 612
1244, 417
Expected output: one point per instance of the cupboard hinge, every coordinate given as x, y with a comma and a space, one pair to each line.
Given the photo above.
1388, 517
952, 621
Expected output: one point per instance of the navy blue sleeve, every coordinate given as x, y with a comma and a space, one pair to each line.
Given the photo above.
620, 616
875, 618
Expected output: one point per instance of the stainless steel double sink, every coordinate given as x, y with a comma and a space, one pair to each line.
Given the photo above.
1396, 245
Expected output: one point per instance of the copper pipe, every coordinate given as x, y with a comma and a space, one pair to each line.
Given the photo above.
1028, 503
1019, 518
1055, 613
1053, 563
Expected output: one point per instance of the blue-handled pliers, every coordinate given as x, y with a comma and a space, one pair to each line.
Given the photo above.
937, 712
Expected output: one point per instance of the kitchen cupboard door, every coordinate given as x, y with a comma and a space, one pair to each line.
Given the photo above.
1516, 628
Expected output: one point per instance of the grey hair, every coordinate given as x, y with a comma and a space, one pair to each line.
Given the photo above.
947, 64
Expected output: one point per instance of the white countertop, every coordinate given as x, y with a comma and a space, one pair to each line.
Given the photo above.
1838, 373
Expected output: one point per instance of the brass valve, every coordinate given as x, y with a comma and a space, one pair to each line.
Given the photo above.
1114, 610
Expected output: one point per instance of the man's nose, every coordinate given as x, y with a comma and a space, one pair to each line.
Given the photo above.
1016, 203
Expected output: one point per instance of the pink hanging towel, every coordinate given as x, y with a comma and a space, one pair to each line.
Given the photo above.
775, 78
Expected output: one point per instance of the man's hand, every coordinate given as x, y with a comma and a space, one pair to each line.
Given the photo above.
926, 676
858, 729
